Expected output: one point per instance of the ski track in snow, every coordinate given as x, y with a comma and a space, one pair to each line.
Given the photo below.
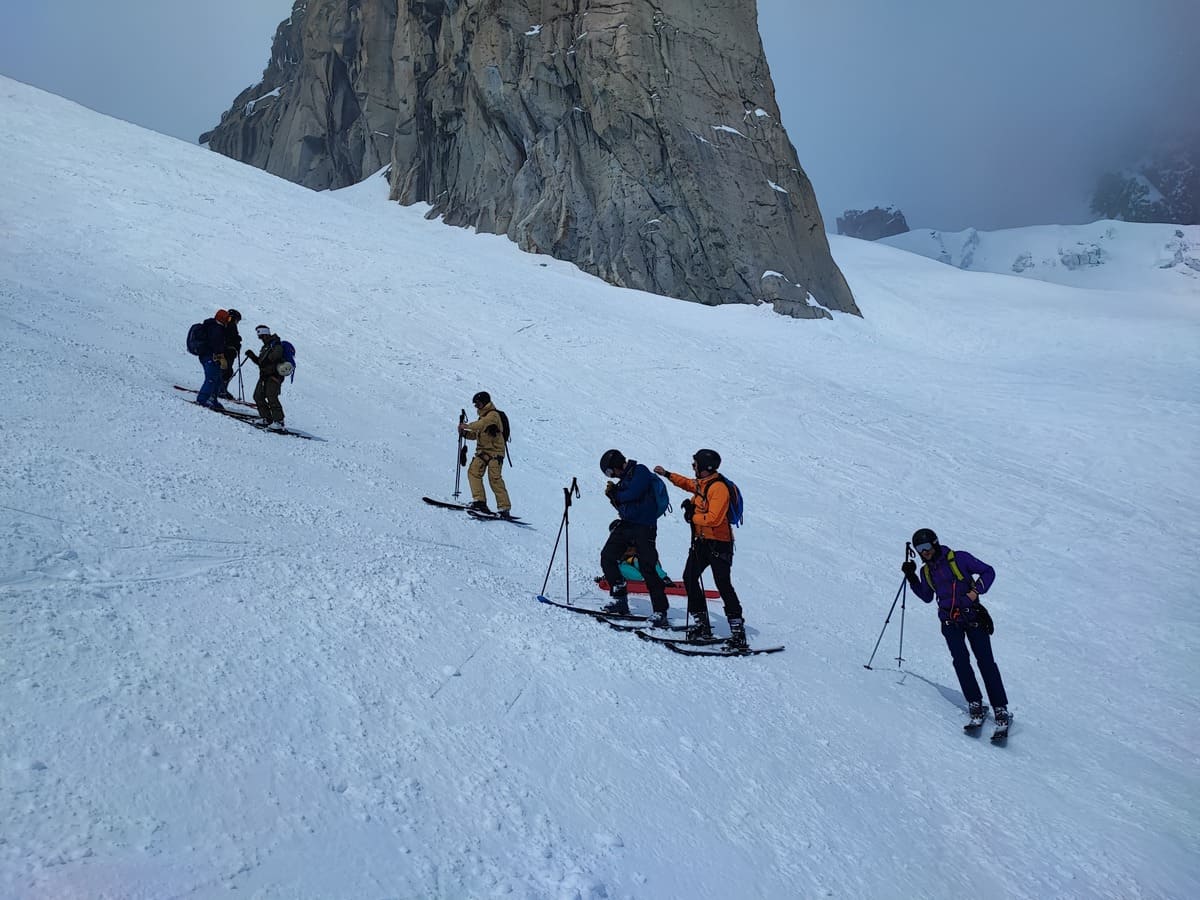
238, 662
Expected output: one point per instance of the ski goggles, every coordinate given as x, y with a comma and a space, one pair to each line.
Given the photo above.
923, 548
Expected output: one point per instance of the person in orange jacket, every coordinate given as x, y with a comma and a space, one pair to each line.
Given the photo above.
712, 545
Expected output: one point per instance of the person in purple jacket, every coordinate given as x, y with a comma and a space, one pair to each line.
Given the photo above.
956, 579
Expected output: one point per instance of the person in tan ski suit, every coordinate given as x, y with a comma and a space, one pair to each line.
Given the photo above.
488, 433
270, 382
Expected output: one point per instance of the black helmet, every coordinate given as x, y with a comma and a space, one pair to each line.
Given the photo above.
483, 398
612, 463
234, 314
924, 536
707, 460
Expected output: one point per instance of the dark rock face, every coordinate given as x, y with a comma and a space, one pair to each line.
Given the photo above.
639, 139
871, 224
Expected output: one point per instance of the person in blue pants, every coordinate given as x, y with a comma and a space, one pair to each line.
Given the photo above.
213, 360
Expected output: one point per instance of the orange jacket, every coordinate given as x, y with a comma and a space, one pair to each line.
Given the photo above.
710, 511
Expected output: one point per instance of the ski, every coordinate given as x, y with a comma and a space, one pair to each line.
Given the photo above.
250, 419
686, 649
496, 517
1000, 735
635, 626
444, 505
180, 387
666, 639
974, 726
594, 613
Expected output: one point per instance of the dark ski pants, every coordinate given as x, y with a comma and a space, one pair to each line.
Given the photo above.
643, 538
957, 638
212, 381
718, 555
266, 398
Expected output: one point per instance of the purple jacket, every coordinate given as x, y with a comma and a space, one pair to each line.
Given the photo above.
951, 593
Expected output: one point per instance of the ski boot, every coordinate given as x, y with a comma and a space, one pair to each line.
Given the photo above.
1003, 720
737, 635
978, 713
620, 603
657, 620
700, 629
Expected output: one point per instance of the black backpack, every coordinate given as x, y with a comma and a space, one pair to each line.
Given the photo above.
197, 340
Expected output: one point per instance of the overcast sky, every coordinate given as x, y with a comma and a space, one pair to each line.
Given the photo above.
962, 113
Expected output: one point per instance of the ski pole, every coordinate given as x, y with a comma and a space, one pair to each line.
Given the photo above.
564, 525
460, 456
903, 603
908, 552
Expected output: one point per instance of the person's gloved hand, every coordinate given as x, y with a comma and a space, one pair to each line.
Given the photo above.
909, 569
689, 509
610, 489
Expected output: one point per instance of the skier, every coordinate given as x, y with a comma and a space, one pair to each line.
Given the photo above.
214, 361
488, 433
957, 579
712, 545
633, 496
270, 382
233, 350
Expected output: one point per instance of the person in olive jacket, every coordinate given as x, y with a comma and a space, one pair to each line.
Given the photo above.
488, 433
270, 382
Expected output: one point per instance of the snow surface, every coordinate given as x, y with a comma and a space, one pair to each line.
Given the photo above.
233, 661
1104, 255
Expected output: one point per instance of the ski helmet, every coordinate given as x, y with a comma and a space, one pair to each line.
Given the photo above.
924, 536
483, 398
234, 315
707, 460
612, 463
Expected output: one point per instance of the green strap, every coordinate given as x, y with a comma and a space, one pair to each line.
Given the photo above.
958, 575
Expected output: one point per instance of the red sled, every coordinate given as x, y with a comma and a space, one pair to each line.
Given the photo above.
639, 587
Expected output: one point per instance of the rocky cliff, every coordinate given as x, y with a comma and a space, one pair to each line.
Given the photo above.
639, 139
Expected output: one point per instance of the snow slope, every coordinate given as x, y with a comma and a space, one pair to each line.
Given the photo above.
233, 661
1104, 255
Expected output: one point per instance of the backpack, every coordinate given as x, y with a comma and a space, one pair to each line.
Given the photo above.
737, 506
289, 360
504, 429
197, 340
662, 499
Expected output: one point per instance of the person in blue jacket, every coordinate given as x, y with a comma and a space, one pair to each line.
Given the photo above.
633, 496
213, 361
956, 579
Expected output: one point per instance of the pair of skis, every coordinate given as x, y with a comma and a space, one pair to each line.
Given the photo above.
477, 513
637, 624
975, 726
253, 419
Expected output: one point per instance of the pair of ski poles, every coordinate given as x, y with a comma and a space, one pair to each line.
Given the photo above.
902, 598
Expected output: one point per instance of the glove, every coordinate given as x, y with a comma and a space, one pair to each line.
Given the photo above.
610, 489
250, 356
909, 569
689, 509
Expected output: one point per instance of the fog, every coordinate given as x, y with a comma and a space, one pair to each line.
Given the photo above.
986, 115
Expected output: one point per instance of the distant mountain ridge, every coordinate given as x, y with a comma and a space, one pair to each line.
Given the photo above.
1104, 254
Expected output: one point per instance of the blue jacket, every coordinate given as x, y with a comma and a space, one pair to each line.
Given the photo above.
634, 495
951, 593
214, 336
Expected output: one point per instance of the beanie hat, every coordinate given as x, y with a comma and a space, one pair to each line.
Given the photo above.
222, 316
262, 330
